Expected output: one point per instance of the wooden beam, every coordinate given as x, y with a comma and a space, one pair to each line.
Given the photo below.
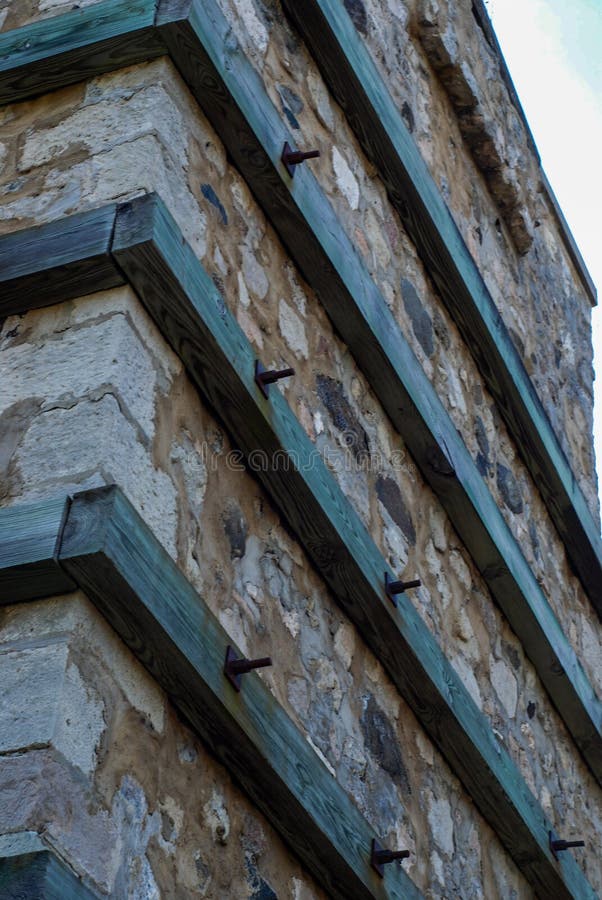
373, 115
110, 553
29, 870
190, 312
82, 43
57, 261
233, 96
28, 544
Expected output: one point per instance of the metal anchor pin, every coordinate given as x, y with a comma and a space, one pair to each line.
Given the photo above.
557, 845
292, 158
392, 588
265, 377
380, 856
236, 666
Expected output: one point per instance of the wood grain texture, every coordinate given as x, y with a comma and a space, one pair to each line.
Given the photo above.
82, 43
113, 556
235, 101
356, 84
191, 314
28, 541
38, 874
57, 261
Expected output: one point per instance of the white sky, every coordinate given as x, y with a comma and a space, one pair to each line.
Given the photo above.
553, 49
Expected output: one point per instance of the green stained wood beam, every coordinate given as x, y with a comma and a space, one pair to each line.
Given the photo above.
57, 261
355, 82
82, 43
107, 550
28, 545
233, 97
29, 870
181, 298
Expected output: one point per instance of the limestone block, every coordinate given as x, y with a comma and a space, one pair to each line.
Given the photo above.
89, 444
345, 179
45, 702
95, 360
293, 330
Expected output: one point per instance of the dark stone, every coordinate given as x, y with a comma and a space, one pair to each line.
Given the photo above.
333, 397
383, 744
218, 282
531, 709
509, 489
210, 195
421, 321
290, 99
357, 13
236, 529
441, 330
512, 654
483, 465
408, 116
260, 888
518, 342
389, 495
292, 121
291, 104
481, 436
534, 538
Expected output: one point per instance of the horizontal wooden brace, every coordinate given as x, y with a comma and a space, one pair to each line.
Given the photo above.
233, 97
58, 261
188, 309
355, 82
108, 551
82, 43
28, 546
29, 870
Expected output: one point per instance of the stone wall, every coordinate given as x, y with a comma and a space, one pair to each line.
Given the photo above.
95, 760
139, 130
93, 395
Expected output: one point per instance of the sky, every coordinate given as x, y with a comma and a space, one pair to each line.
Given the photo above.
553, 49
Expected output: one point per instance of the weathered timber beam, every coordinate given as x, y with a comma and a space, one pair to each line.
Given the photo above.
109, 552
29, 870
28, 545
373, 115
234, 99
57, 261
82, 43
185, 304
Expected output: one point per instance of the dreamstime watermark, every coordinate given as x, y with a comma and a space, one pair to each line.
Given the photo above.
350, 456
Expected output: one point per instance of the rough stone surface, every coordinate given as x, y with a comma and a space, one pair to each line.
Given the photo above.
93, 395
154, 815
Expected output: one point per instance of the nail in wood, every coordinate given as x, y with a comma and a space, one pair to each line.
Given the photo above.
557, 845
237, 666
380, 857
265, 377
392, 588
292, 158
